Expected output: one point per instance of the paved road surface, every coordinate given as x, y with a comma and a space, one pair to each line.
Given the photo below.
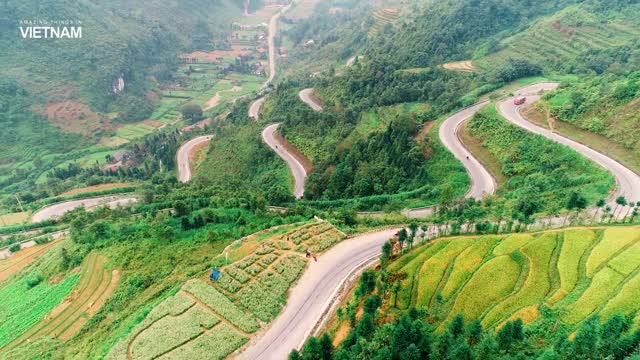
273, 28
306, 95
299, 174
57, 210
482, 182
182, 157
313, 293
254, 108
628, 182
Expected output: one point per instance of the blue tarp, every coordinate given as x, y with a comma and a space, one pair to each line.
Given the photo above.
215, 274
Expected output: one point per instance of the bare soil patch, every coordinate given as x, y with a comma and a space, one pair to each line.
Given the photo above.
425, 130
74, 116
216, 55
306, 163
154, 123
198, 154
213, 102
465, 66
99, 187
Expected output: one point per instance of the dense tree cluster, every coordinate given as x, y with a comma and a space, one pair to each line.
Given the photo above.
412, 338
383, 163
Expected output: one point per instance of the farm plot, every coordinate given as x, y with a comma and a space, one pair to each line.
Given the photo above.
214, 318
537, 283
464, 66
467, 263
402, 298
382, 17
614, 240
576, 273
25, 301
432, 272
95, 286
574, 245
494, 280
560, 37
22, 258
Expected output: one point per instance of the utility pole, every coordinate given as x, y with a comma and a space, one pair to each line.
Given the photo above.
19, 202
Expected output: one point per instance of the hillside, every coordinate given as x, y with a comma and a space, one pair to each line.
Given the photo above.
600, 111
119, 39
584, 38
496, 296
166, 194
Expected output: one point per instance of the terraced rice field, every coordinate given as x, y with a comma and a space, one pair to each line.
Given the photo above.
552, 40
94, 287
575, 272
212, 319
22, 258
382, 17
464, 66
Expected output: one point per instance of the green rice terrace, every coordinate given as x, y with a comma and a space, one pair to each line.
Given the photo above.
571, 274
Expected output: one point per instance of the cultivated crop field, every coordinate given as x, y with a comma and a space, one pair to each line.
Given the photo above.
17, 261
561, 38
575, 273
66, 316
382, 17
215, 318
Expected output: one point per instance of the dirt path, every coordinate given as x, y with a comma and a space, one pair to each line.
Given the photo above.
213, 102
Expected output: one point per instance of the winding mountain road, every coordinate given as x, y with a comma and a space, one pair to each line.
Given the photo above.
628, 182
182, 157
306, 95
256, 105
481, 180
56, 210
298, 171
313, 295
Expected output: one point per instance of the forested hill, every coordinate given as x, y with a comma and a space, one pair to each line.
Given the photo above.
450, 30
119, 37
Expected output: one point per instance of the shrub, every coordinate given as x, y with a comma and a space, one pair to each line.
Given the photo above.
191, 112
14, 248
33, 280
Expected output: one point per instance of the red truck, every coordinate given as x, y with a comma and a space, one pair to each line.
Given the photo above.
519, 100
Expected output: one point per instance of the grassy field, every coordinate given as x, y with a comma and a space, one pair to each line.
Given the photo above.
239, 160
216, 318
576, 273
592, 111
